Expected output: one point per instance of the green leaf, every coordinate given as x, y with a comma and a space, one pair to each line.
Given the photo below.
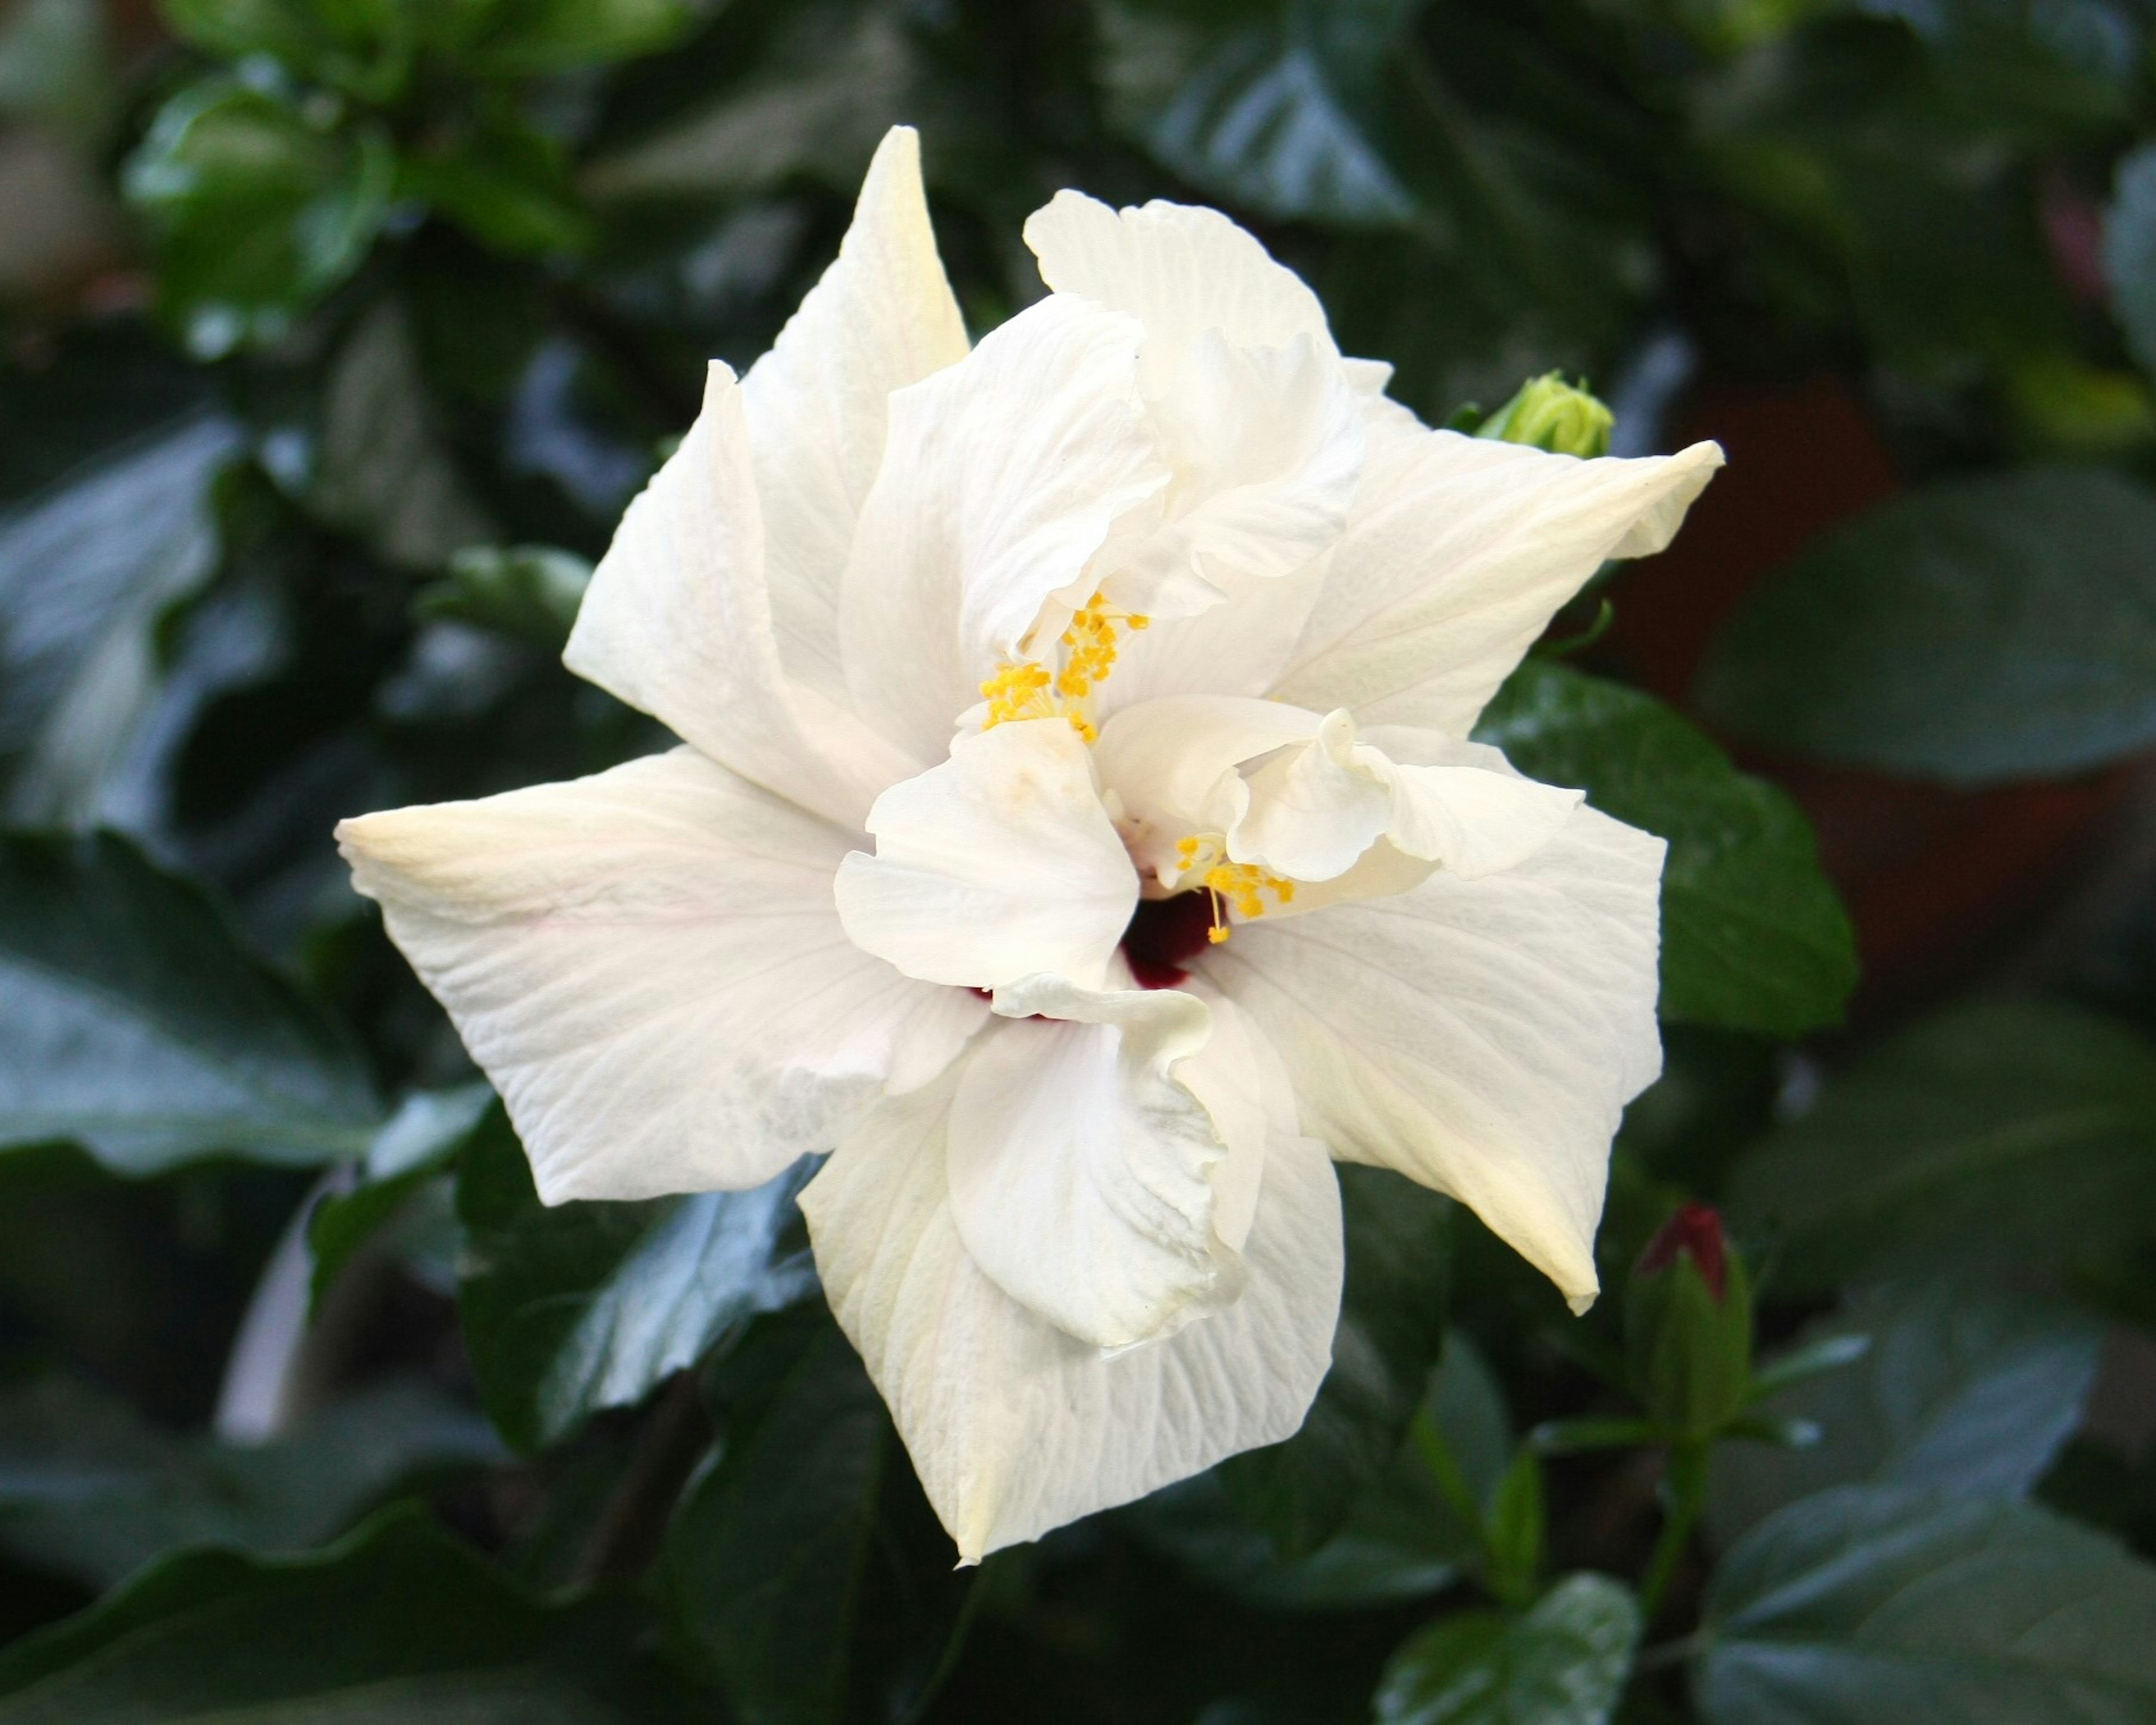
520, 39
530, 593
1868, 1604
1274, 112
1402, 1540
135, 1023
418, 1141
1519, 1524
2129, 251
506, 185
259, 207
1965, 1391
587, 1305
1391, 1331
1563, 1662
400, 1622
1753, 935
2000, 1130
1985, 629
363, 47
762, 1567
88, 572
88, 1490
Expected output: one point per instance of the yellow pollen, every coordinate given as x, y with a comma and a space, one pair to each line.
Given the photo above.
1028, 690
1243, 885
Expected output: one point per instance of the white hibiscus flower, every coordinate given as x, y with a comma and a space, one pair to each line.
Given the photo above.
1076, 834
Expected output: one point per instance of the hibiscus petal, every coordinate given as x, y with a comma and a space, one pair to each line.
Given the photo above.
677, 623
1481, 1036
1458, 552
1015, 1427
1001, 478
1078, 1165
648, 965
882, 317
997, 864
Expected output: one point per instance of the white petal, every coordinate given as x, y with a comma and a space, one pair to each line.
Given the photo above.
1314, 810
996, 864
1001, 478
1481, 1036
1171, 765
1016, 1428
882, 317
648, 965
1243, 1086
1236, 647
1458, 552
1180, 269
1079, 1166
677, 623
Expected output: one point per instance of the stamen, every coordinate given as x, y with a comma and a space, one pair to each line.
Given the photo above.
1242, 885
1027, 690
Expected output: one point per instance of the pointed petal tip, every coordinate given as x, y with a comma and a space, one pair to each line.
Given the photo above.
1582, 1304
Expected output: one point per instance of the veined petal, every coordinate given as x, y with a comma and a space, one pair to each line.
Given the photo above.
677, 623
1243, 1086
997, 864
1015, 1427
1078, 1165
1179, 270
1458, 552
1001, 478
648, 965
1481, 1036
1314, 811
882, 317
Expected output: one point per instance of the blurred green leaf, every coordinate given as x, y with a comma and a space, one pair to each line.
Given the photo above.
763, 1567
2129, 251
1392, 1330
415, 1147
1518, 1526
1753, 936
531, 593
1269, 106
504, 184
1992, 627
2000, 1131
88, 1490
400, 1621
259, 203
1868, 1604
1564, 1662
1402, 1540
1965, 1391
587, 1305
88, 572
135, 1023
518, 38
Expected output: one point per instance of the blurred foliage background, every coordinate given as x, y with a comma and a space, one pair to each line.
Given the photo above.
334, 336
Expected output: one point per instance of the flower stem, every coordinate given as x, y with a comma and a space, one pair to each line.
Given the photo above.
1685, 1492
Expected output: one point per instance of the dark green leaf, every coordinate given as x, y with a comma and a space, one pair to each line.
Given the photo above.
258, 209
1564, 1662
1402, 1539
529, 592
411, 1151
400, 1622
134, 1022
1984, 629
587, 1305
1965, 1391
87, 573
763, 1561
1517, 1523
1272, 112
87, 1490
1867, 1605
1392, 1329
1999, 1132
507, 186
518, 38
2129, 251
1752, 934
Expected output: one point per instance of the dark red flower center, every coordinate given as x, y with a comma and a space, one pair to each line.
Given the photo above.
1165, 935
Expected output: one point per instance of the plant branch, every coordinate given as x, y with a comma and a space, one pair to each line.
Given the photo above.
629, 1531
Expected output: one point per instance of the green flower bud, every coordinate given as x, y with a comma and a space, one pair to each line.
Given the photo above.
1549, 414
1688, 1326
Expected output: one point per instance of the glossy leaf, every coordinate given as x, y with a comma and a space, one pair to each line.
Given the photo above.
134, 1022
88, 1490
1868, 1604
589, 1305
1999, 1132
400, 1622
1753, 936
763, 1567
1392, 1329
1563, 1662
412, 1150
1964, 1391
2129, 251
1987, 628
530, 593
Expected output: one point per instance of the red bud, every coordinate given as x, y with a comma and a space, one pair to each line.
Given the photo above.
1695, 1231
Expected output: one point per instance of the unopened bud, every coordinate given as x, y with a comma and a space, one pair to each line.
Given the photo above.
1549, 414
1688, 1326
